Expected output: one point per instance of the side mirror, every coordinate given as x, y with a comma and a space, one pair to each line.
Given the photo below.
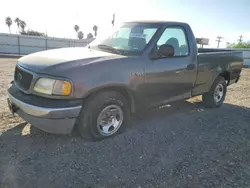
166, 50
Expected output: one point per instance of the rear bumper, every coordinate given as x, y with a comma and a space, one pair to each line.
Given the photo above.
57, 120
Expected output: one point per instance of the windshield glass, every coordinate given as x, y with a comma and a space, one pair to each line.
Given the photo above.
130, 38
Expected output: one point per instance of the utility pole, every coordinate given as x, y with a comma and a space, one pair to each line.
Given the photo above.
240, 39
218, 40
113, 20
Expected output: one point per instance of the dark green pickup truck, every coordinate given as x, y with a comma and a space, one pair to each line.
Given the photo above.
143, 64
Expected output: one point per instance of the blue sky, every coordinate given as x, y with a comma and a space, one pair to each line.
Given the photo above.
208, 18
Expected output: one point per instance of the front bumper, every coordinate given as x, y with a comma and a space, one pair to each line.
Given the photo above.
50, 115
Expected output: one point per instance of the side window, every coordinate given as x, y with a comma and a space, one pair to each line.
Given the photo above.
176, 37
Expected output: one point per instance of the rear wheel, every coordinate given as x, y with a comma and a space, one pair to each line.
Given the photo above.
216, 96
104, 115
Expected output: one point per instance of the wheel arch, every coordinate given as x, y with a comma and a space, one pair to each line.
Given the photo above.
123, 89
226, 75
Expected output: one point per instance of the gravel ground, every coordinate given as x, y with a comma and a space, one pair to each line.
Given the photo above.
184, 145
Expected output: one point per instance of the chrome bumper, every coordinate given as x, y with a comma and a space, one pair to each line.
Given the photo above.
53, 120
45, 112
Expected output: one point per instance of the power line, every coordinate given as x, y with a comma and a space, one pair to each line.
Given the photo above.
219, 40
240, 39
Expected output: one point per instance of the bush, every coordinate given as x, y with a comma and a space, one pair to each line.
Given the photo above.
33, 33
90, 36
239, 45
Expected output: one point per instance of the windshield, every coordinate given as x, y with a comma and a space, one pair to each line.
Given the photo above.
130, 38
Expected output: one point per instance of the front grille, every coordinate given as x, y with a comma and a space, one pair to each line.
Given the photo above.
23, 78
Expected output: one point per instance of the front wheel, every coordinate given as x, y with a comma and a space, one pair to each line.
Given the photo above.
216, 96
104, 115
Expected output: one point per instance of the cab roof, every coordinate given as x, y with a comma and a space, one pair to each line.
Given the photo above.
156, 22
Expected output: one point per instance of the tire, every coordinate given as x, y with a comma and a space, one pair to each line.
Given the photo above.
216, 96
99, 107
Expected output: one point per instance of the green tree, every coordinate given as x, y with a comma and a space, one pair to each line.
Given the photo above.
239, 45
95, 28
80, 35
8, 22
22, 25
17, 21
90, 36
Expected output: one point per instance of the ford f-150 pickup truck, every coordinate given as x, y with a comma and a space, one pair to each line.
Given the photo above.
144, 64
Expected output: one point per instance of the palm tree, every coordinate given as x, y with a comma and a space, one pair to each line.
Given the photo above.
80, 35
95, 28
17, 21
22, 25
8, 22
90, 36
76, 28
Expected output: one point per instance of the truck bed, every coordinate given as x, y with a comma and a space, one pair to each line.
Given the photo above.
222, 58
219, 55
209, 50
211, 61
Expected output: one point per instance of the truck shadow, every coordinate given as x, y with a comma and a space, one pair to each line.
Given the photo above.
25, 129
157, 114
188, 135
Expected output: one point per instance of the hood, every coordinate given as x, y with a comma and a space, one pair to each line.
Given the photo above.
41, 62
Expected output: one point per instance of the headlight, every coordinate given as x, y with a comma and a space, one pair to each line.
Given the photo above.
53, 87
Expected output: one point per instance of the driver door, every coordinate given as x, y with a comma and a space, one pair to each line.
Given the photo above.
170, 78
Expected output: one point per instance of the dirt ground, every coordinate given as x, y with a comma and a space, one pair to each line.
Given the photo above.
185, 145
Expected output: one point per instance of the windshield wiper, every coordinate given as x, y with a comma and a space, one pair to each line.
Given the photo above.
110, 48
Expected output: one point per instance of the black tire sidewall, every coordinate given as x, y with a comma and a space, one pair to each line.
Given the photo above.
223, 82
96, 112
208, 98
88, 123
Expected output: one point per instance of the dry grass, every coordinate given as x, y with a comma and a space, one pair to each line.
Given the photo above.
186, 145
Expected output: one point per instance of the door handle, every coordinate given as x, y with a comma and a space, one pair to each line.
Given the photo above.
190, 66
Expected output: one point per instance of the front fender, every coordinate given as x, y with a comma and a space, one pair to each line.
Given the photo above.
122, 88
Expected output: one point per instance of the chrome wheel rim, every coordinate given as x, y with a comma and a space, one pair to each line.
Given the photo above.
110, 120
218, 93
